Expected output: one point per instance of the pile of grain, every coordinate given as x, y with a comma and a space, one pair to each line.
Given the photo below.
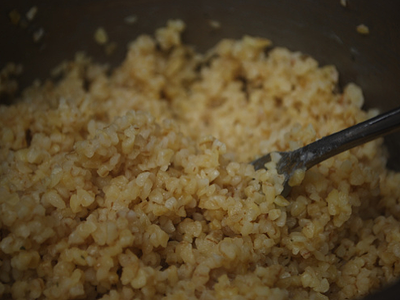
137, 184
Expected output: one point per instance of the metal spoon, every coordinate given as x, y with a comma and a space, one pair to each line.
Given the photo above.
312, 154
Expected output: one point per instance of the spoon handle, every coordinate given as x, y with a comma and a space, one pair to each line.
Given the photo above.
346, 139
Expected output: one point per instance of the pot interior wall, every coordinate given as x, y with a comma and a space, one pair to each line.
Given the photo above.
323, 29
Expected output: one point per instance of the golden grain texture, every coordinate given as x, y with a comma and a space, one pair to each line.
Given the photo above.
137, 184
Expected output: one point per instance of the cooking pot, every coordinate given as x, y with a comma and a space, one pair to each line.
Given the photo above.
324, 29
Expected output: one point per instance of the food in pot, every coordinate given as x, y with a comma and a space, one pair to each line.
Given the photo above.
137, 183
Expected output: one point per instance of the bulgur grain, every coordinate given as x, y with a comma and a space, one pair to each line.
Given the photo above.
363, 29
37, 35
131, 19
14, 16
137, 185
31, 13
101, 36
214, 24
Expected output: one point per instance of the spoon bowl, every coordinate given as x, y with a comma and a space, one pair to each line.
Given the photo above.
295, 163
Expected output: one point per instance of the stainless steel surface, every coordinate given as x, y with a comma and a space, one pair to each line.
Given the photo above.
308, 156
321, 28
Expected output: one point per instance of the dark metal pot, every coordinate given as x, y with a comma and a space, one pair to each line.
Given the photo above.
323, 29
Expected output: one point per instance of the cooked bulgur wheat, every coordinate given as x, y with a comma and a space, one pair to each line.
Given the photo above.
137, 184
